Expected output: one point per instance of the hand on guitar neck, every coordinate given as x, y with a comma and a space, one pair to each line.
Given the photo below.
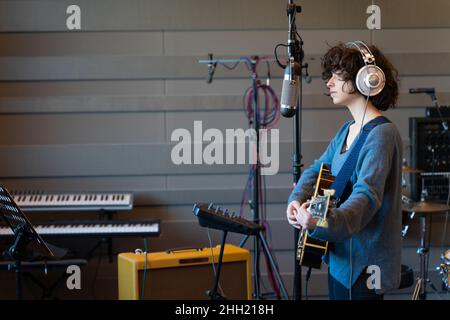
299, 216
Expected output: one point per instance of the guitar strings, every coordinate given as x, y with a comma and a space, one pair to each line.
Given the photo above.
212, 260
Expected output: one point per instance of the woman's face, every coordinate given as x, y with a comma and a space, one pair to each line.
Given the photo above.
340, 90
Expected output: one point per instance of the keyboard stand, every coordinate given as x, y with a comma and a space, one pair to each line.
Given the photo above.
104, 240
28, 244
47, 291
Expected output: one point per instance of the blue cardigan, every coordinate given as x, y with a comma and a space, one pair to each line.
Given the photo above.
366, 228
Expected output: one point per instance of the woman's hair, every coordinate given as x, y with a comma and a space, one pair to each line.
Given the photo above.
346, 61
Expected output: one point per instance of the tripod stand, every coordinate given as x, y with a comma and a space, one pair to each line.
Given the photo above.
251, 65
291, 105
422, 281
261, 238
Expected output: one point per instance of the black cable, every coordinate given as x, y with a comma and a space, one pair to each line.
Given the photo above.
212, 261
282, 66
433, 169
308, 275
269, 76
230, 67
96, 275
262, 115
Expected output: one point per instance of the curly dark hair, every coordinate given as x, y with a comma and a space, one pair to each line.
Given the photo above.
347, 60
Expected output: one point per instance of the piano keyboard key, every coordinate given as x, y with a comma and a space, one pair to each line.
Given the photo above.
103, 227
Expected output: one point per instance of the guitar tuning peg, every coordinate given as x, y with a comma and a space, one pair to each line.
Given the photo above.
210, 206
217, 209
225, 212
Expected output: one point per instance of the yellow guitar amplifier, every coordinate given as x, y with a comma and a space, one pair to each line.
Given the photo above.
184, 274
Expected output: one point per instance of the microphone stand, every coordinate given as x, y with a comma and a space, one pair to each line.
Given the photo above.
438, 108
296, 55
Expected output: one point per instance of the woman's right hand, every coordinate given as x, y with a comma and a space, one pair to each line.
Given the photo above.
291, 213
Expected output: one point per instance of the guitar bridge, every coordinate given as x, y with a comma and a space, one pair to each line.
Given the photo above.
310, 251
323, 223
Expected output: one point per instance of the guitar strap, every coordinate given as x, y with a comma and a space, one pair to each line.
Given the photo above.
341, 183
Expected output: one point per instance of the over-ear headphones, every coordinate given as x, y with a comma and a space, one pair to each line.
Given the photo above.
370, 79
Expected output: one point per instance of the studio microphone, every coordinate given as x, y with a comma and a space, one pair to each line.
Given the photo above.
289, 92
211, 69
422, 90
307, 77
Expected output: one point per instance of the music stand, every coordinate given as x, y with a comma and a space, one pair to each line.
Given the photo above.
28, 244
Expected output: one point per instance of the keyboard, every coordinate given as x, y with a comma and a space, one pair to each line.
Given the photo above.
73, 201
111, 228
215, 218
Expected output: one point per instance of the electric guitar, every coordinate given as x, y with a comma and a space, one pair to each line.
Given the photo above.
310, 250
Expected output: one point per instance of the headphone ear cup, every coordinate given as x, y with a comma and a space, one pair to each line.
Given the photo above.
370, 80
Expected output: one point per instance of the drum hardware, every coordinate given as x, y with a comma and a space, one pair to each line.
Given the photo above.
424, 208
444, 270
407, 203
407, 169
407, 214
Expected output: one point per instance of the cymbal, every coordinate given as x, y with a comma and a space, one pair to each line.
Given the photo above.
424, 206
407, 169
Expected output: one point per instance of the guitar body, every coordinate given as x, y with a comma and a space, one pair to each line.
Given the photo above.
310, 251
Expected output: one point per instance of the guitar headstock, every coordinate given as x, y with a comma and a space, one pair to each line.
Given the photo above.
211, 216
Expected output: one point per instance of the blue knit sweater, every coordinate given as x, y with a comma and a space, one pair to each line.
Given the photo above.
366, 229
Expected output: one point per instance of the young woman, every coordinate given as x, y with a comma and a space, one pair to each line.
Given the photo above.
365, 229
